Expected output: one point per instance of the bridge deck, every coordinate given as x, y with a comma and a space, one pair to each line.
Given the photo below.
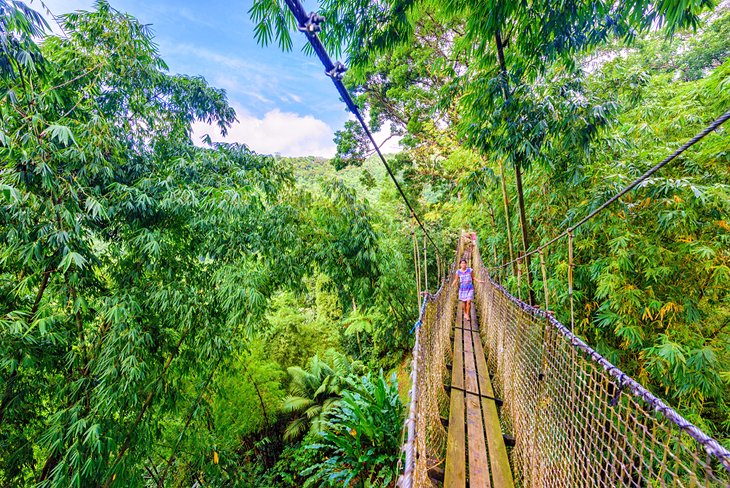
476, 455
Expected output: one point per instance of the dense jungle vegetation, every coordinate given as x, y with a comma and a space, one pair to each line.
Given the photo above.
175, 312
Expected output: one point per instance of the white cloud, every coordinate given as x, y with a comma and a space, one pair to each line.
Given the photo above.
211, 56
286, 133
387, 146
291, 97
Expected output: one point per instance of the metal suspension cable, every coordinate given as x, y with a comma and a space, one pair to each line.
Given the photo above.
309, 24
714, 125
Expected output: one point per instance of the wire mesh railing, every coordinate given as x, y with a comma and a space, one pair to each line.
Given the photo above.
577, 419
425, 446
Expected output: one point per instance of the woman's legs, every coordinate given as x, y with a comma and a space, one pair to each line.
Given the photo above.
467, 309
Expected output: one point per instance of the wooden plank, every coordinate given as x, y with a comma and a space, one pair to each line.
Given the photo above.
498, 460
478, 468
473, 313
468, 322
457, 370
470, 370
477, 448
455, 474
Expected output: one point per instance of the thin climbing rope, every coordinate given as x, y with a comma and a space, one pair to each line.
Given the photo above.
713, 126
310, 24
577, 419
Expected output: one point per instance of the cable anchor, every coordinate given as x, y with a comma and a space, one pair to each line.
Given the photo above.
338, 71
312, 25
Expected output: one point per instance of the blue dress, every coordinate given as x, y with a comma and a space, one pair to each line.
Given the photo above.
466, 287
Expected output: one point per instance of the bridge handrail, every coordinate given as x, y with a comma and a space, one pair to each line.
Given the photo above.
410, 476
711, 445
526, 351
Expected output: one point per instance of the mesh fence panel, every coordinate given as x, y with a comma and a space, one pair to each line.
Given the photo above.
577, 419
426, 444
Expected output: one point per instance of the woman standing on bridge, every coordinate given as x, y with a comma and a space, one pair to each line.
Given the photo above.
465, 276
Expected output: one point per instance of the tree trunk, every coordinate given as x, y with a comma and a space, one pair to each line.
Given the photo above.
525, 236
506, 217
518, 169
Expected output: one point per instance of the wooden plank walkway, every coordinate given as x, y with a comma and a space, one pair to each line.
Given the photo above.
476, 455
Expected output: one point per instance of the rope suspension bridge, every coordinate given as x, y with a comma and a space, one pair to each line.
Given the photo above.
531, 404
511, 397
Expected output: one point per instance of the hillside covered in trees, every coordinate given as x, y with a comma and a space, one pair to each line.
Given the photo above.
175, 312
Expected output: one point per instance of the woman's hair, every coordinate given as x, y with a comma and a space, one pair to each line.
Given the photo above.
462, 261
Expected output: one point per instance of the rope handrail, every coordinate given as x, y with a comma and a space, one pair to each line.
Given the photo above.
409, 426
570, 229
410, 423
426, 436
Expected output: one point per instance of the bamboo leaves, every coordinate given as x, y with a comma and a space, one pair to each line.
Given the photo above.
60, 133
118, 233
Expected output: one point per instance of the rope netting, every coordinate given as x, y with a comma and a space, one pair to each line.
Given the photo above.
425, 447
577, 419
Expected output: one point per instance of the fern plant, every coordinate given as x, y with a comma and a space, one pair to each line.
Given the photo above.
315, 392
362, 442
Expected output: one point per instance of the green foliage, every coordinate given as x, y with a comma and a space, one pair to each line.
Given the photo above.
315, 392
295, 335
362, 443
648, 269
135, 266
294, 459
352, 143
249, 394
700, 59
19, 24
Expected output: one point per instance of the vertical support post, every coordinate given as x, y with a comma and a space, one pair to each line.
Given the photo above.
570, 279
544, 278
417, 268
519, 277
425, 266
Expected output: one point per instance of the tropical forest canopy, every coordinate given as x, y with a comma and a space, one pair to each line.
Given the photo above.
174, 311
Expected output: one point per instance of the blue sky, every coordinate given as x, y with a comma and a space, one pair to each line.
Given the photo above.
284, 101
